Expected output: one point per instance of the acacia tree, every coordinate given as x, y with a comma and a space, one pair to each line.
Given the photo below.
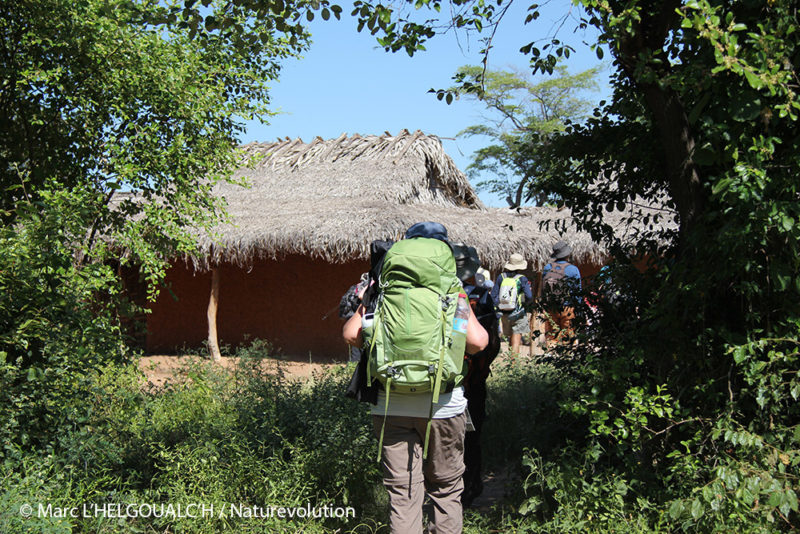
691, 397
523, 116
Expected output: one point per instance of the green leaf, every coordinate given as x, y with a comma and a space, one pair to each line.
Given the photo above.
791, 499
754, 81
676, 509
739, 354
697, 509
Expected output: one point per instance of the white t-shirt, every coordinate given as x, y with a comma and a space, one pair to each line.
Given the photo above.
419, 404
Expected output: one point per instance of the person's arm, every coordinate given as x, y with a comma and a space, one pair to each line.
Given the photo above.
526, 288
477, 337
351, 332
496, 289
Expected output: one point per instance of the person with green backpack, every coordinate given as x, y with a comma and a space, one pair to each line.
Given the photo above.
415, 342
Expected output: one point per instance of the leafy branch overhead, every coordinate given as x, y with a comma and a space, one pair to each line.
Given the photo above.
521, 117
690, 389
118, 116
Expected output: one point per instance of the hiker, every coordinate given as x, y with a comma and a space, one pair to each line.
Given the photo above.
348, 305
560, 281
475, 279
420, 421
359, 388
511, 293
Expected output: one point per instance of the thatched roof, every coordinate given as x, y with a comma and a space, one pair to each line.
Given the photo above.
403, 169
331, 199
342, 233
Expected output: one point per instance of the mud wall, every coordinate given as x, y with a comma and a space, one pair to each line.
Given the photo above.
283, 301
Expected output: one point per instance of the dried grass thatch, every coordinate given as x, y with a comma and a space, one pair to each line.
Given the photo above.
331, 199
338, 233
403, 169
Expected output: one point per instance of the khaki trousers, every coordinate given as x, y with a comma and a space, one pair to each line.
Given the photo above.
407, 478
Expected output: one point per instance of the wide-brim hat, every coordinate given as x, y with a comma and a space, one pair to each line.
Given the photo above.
561, 250
516, 263
467, 261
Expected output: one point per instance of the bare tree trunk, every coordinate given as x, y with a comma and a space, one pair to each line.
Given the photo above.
678, 145
669, 113
213, 301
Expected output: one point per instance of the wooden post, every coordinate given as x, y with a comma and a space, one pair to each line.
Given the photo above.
213, 301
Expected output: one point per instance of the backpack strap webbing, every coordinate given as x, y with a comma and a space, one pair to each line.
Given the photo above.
385, 414
427, 434
437, 383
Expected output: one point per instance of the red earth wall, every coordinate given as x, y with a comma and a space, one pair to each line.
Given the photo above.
282, 301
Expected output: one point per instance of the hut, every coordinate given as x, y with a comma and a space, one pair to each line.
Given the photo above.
299, 235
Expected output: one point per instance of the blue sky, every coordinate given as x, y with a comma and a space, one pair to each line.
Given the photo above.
346, 83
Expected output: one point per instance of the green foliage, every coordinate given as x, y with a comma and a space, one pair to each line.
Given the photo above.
523, 116
248, 438
689, 388
126, 97
533, 392
53, 327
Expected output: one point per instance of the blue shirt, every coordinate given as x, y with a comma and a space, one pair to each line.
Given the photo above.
570, 272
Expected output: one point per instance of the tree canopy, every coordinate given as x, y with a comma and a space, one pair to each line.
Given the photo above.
690, 396
522, 115
96, 97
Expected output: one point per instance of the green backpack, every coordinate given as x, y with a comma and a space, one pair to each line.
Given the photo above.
413, 347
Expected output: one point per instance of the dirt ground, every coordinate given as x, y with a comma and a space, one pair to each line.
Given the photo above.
161, 368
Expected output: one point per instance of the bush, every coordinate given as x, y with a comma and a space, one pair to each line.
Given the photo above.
245, 438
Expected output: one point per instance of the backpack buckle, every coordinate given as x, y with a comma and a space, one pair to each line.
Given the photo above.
432, 369
445, 302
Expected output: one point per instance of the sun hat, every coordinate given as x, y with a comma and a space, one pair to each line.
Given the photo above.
561, 250
516, 263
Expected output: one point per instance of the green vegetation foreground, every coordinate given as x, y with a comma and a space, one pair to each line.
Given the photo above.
243, 442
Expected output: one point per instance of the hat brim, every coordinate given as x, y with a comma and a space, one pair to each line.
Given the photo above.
562, 254
516, 266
